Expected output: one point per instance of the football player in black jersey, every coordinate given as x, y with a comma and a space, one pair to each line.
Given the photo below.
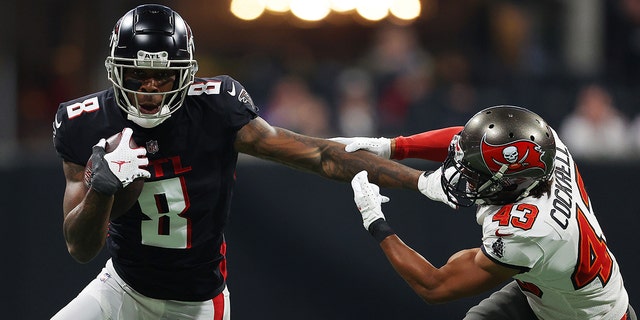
168, 251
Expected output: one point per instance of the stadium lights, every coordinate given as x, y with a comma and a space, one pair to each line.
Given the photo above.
247, 9
279, 6
343, 5
373, 10
316, 10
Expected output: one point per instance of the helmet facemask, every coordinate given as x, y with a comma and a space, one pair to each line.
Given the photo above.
126, 90
464, 185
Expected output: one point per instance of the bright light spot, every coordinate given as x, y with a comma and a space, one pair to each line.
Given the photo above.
247, 9
373, 10
343, 5
315, 10
278, 5
310, 10
405, 9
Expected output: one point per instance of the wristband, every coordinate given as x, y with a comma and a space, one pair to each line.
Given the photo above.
380, 229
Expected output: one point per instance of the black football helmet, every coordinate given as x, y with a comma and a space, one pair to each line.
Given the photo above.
151, 37
502, 153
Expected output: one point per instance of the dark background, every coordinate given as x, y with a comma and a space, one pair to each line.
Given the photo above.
296, 245
477, 53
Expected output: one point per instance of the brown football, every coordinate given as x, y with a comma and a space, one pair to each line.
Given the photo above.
127, 197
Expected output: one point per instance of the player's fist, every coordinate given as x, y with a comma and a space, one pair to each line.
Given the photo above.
430, 184
378, 146
367, 198
115, 164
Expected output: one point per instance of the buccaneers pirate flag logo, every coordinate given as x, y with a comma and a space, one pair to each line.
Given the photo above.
517, 156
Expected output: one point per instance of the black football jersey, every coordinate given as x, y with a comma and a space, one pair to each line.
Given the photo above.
170, 245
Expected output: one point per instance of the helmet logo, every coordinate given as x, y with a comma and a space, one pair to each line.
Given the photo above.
517, 156
510, 154
153, 59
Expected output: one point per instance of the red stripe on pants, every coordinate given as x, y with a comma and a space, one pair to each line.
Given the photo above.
218, 306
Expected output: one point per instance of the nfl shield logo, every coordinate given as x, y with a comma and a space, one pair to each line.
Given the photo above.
152, 146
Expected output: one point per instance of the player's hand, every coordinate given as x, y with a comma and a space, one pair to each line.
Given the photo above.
367, 198
378, 146
117, 169
430, 184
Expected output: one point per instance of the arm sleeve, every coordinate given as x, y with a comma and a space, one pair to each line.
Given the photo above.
430, 145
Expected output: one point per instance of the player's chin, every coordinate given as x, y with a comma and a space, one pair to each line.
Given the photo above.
148, 109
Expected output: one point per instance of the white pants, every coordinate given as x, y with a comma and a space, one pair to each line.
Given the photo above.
108, 297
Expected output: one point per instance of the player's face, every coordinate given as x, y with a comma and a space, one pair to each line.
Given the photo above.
470, 179
149, 81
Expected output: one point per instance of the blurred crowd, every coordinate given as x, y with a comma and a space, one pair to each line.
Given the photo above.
405, 79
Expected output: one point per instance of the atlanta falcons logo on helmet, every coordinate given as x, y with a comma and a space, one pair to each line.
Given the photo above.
517, 156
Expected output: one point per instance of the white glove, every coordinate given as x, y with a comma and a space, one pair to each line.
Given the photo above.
124, 161
378, 146
430, 185
367, 198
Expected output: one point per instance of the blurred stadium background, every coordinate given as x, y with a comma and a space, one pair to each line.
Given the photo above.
301, 253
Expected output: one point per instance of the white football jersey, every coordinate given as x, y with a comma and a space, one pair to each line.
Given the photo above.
568, 272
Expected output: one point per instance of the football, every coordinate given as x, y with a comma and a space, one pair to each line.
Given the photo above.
126, 197
114, 140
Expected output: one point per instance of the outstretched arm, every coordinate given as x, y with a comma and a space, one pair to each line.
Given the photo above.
466, 273
430, 145
324, 157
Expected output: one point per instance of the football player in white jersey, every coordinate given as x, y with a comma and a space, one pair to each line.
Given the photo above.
537, 220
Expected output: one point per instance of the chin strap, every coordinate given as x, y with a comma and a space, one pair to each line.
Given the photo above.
147, 122
150, 122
